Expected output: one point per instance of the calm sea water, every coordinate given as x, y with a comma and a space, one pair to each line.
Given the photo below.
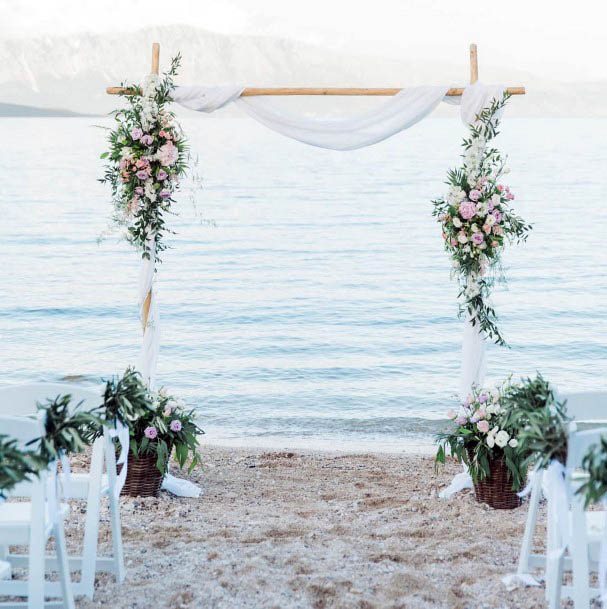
307, 300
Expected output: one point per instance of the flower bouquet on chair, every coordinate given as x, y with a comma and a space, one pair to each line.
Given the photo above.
485, 440
166, 429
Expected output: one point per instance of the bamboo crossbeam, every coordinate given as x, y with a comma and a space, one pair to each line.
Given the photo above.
343, 91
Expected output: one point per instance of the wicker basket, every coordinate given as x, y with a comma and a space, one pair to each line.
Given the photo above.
496, 489
142, 477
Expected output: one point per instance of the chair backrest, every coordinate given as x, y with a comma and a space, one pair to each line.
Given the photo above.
580, 442
24, 430
21, 400
586, 406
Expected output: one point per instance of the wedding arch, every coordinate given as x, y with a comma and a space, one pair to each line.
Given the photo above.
406, 107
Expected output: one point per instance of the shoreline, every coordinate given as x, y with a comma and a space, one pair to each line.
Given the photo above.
407, 446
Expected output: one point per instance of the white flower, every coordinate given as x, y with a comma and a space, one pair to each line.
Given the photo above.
490, 220
495, 199
501, 438
462, 238
472, 290
149, 191
457, 222
490, 441
474, 228
513, 443
481, 209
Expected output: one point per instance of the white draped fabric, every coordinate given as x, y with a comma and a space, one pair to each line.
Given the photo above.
151, 337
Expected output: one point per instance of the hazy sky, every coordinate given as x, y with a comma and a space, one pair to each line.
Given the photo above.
555, 39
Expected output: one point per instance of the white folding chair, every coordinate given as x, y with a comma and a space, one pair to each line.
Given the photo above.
31, 524
589, 408
576, 531
92, 485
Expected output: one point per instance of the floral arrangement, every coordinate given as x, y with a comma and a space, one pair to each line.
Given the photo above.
477, 220
16, 465
167, 427
147, 156
484, 430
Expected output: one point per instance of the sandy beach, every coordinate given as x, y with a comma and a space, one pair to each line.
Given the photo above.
298, 529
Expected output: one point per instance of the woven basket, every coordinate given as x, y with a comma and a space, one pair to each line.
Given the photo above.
496, 489
142, 477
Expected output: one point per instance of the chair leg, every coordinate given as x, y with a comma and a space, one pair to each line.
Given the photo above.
117, 551
530, 523
91, 528
554, 580
579, 556
64, 568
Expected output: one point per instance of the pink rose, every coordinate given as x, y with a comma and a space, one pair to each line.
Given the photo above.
487, 229
165, 194
143, 174
467, 210
497, 215
146, 140
483, 426
477, 238
139, 190
461, 420
136, 133
162, 175
150, 432
474, 195
175, 425
167, 154
500, 188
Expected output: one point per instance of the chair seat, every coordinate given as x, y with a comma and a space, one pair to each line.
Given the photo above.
15, 522
595, 531
78, 485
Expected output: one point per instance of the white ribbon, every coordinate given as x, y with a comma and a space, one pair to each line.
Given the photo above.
558, 506
603, 560
52, 501
121, 432
67, 473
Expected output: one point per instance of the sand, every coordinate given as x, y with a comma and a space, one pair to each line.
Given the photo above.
286, 530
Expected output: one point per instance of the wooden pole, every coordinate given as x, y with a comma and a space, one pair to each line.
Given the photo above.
155, 58
343, 91
473, 64
145, 309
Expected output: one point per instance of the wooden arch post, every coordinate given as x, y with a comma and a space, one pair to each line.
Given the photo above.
145, 308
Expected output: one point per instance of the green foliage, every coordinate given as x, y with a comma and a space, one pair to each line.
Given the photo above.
126, 399
543, 421
68, 430
594, 463
17, 465
167, 428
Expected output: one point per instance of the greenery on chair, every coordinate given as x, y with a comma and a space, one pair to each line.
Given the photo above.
542, 419
594, 463
68, 430
16, 465
126, 399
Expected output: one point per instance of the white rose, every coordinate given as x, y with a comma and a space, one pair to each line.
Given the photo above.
462, 238
513, 443
490, 441
481, 209
457, 222
501, 438
495, 199
474, 228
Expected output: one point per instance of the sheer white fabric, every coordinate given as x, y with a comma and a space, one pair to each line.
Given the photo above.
391, 116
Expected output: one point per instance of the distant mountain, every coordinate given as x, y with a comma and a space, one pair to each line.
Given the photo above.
72, 72
20, 110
